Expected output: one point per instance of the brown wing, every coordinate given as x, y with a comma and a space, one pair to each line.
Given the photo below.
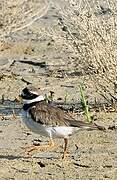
44, 113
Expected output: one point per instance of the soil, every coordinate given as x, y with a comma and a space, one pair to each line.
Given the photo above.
34, 55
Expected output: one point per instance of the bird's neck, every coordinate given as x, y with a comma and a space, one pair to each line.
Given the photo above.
29, 103
37, 99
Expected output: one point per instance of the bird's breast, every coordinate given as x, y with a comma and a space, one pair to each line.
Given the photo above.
32, 125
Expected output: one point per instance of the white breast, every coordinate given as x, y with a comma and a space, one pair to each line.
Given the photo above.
32, 125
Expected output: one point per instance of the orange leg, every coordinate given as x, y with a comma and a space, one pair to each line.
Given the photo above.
41, 148
65, 154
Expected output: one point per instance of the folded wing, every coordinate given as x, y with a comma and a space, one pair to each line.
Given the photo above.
47, 114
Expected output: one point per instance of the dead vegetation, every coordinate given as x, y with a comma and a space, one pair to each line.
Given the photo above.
17, 15
91, 32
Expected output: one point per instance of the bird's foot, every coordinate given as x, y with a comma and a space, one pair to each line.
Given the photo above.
40, 147
65, 155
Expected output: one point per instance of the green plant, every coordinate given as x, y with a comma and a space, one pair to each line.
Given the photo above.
85, 105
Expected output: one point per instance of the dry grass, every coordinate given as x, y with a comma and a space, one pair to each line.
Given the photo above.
92, 34
17, 15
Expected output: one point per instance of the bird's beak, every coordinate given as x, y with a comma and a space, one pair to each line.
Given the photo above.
18, 99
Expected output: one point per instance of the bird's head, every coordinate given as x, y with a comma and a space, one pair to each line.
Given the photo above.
30, 94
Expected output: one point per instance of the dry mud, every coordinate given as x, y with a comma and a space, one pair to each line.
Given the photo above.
40, 54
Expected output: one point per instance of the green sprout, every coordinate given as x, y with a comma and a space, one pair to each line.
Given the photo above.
85, 105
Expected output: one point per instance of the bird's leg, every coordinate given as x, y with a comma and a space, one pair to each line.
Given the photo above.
41, 147
65, 148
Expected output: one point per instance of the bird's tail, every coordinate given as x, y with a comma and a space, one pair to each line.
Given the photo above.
95, 126
89, 126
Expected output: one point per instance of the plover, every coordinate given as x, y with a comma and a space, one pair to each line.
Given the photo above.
48, 120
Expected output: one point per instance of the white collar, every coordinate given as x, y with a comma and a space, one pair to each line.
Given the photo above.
37, 99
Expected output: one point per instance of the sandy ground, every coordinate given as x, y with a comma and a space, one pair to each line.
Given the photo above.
34, 55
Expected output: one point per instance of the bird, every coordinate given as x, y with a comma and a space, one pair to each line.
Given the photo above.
49, 120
